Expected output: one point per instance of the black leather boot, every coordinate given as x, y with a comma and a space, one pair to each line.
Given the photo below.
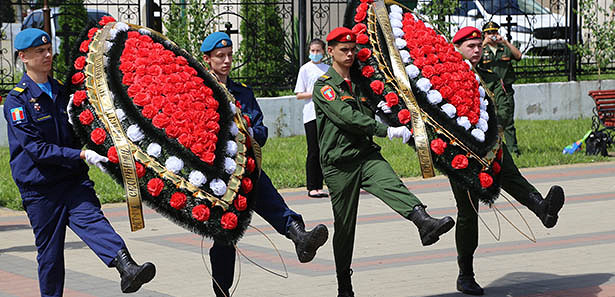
546, 209
306, 243
430, 229
344, 285
133, 275
465, 282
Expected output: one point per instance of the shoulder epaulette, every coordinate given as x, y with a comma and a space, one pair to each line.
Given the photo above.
60, 82
324, 77
18, 89
244, 85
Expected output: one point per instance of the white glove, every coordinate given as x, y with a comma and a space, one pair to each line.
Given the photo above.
69, 107
385, 108
94, 158
399, 132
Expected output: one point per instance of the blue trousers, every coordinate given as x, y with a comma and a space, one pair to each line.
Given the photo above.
270, 205
72, 204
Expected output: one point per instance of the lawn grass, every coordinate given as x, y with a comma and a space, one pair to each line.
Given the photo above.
541, 143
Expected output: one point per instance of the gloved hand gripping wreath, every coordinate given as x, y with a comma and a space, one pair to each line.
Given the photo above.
404, 63
175, 138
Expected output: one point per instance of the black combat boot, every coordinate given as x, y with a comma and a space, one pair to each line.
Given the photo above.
465, 282
546, 209
133, 275
306, 243
344, 285
430, 229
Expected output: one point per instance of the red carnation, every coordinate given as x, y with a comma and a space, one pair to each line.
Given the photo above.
428, 71
112, 155
438, 146
377, 86
155, 186
92, 32
200, 213
364, 54
360, 16
367, 71
246, 185
79, 97
362, 39
485, 180
78, 78
446, 91
208, 157
98, 136
359, 28
79, 63
105, 20
86, 117
459, 162
161, 120
496, 167
140, 169
84, 46
149, 111
228, 221
391, 99
247, 118
178, 200
404, 116
499, 155
241, 203
251, 164
142, 99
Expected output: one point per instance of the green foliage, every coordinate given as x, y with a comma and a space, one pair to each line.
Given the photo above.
436, 12
262, 45
599, 25
186, 24
71, 21
7, 14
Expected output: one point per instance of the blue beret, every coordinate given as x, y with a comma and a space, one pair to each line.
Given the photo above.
215, 40
30, 38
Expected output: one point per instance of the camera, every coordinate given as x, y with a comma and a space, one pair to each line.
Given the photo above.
494, 38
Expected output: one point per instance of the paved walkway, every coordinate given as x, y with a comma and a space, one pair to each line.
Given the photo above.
576, 258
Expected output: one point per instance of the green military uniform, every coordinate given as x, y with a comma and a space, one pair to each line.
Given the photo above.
500, 63
511, 180
351, 160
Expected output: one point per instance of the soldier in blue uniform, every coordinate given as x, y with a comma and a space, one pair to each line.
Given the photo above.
47, 166
217, 51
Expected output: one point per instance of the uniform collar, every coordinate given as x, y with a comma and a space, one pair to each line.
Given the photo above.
35, 90
336, 78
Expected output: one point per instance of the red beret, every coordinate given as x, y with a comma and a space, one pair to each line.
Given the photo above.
341, 34
465, 33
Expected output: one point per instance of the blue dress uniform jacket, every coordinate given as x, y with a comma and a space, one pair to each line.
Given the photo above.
55, 188
268, 203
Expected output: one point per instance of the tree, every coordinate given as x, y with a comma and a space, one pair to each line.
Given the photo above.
187, 24
262, 45
71, 21
599, 25
436, 12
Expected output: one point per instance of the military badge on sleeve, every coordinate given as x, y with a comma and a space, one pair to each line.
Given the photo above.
17, 115
328, 93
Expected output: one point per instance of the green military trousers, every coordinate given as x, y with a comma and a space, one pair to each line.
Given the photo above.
466, 228
506, 115
374, 174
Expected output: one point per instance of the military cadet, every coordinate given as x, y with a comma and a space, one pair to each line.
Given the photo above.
498, 57
351, 160
469, 43
47, 166
217, 51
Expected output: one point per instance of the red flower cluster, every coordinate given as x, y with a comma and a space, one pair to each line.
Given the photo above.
241, 203
250, 164
459, 162
246, 185
178, 200
200, 213
112, 155
229, 221
485, 180
140, 169
79, 97
404, 116
98, 136
171, 94
438, 146
155, 186
443, 66
86, 117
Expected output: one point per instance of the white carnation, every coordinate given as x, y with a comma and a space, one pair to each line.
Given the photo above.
231, 148
396, 24
174, 164
481, 91
233, 107
234, 130
120, 114
398, 32
423, 84
395, 16
229, 165
121, 26
106, 62
483, 104
197, 178
434, 97
464, 122
412, 71
477, 77
400, 43
108, 46
144, 31
112, 33
482, 124
478, 134
405, 56
396, 8
218, 187
449, 109
134, 133
154, 149
484, 115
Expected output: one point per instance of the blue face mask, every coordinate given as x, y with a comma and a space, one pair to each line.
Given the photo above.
315, 57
